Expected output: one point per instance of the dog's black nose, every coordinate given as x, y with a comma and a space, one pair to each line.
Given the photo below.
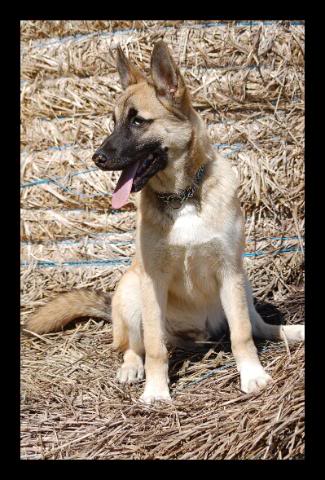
100, 158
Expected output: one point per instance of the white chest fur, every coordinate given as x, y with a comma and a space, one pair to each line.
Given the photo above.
189, 228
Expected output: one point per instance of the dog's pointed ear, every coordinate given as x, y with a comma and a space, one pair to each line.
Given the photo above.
167, 78
129, 74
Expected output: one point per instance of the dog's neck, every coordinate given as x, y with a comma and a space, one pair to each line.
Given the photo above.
184, 167
175, 177
176, 200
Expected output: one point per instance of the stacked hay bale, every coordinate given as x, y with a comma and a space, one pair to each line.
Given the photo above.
247, 81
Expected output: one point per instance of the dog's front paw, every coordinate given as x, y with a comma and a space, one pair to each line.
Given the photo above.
153, 394
253, 378
130, 373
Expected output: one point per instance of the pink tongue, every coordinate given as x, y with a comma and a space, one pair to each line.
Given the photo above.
124, 185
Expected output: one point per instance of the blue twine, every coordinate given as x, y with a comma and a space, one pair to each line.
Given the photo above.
49, 263
67, 146
83, 36
54, 179
210, 373
61, 147
78, 242
235, 147
127, 261
272, 238
276, 252
95, 238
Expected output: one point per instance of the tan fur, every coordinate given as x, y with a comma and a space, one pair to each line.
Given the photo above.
187, 278
68, 307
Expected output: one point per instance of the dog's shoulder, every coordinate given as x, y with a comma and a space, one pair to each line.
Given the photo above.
223, 179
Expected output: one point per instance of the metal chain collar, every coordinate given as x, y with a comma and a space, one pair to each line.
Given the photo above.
176, 200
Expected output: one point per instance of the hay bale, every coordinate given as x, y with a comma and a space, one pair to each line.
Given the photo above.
247, 81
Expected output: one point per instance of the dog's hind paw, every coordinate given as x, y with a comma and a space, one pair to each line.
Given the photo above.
293, 333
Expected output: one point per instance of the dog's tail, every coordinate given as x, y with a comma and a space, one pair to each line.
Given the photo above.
68, 307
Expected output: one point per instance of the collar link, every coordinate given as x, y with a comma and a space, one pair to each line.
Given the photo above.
176, 200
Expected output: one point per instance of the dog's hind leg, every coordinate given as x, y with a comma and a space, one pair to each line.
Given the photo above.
127, 330
261, 329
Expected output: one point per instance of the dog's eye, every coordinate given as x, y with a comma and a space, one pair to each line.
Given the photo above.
138, 121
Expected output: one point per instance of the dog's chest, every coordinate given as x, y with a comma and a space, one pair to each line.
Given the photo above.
197, 250
189, 229
195, 273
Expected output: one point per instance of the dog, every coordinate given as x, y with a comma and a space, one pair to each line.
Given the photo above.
187, 281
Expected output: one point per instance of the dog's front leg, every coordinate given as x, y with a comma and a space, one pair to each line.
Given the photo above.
154, 301
234, 302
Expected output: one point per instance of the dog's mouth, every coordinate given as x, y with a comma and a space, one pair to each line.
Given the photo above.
134, 176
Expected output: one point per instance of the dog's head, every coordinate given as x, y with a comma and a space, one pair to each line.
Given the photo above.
152, 121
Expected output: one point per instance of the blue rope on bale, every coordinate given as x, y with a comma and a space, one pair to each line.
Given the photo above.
211, 373
45, 181
79, 263
83, 36
67, 146
94, 238
127, 261
42, 181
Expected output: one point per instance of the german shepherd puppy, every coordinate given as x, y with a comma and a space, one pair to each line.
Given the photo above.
187, 277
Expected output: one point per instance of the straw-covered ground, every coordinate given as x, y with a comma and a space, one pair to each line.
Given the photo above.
247, 80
